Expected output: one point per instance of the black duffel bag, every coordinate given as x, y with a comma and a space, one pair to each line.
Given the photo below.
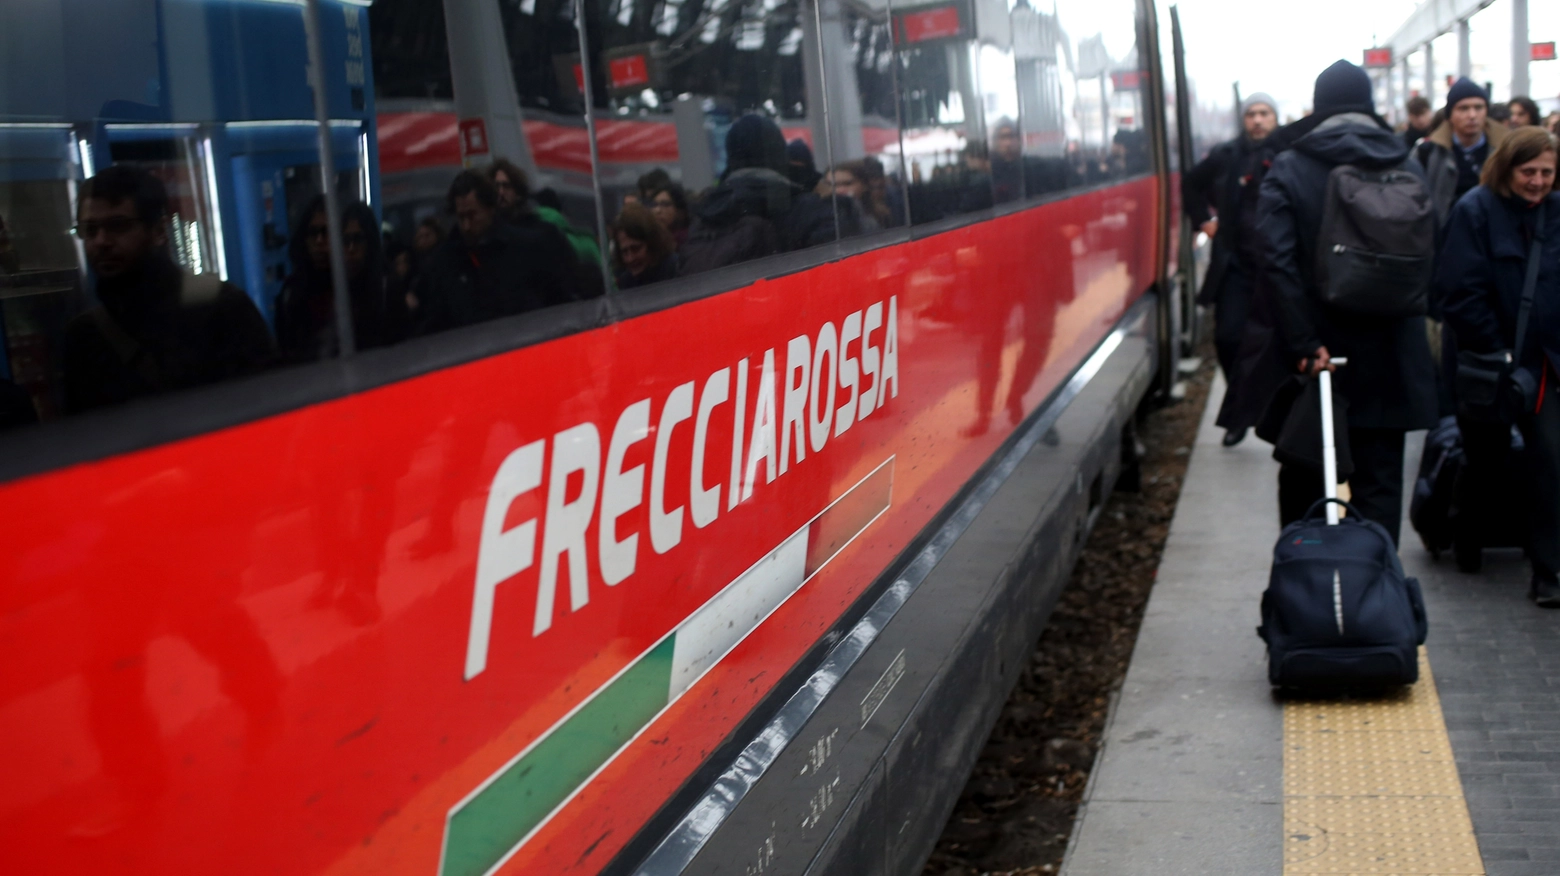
1494, 387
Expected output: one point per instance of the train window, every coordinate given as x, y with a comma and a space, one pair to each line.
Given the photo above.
484, 163
1104, 96
1043, 57
867, 176
154, 183
709, 133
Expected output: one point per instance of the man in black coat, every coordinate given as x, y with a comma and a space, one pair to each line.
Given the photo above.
1228, 181
756, 210
1389, 381
494, 268
157, 329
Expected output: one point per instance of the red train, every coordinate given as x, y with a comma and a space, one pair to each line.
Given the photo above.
728, 574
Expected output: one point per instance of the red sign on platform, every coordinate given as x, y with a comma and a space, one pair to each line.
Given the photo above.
473, 136
1126, 80
1378, 57
931, 24
1543, 51
629, 72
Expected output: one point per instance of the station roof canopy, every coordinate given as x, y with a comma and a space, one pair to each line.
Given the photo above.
1431, 19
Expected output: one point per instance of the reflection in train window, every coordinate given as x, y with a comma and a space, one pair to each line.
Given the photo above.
1104, 95
722, 99
867, 176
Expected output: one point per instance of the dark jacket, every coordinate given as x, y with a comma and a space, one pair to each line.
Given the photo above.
1228, 180
1434, 154
666, 270
160, 330
754, 212
306, 308
520, 266
1390, 379
1482, 265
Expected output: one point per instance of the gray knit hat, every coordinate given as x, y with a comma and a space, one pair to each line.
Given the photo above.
1255, 98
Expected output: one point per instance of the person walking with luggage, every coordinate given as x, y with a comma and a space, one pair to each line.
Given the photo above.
1454, 153
1499, 275
1228, 181
1346, 169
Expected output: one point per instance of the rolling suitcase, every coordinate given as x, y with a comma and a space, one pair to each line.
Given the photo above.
1338, 613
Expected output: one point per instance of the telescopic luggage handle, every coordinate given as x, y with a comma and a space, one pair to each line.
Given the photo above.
1329, 449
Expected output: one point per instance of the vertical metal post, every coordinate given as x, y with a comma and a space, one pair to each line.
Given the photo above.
1464, 52
1430, 72
590, 131
1521, 48
345, 338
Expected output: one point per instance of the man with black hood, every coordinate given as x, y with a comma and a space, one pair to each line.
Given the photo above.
157, 329
1228, 181
1454, 153
755, 210
1389, 381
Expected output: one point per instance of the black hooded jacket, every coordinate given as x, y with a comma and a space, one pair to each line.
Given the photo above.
1228, 180
1390, 379
158, 330
756, 210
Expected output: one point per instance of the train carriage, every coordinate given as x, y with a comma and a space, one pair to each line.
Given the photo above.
725, 574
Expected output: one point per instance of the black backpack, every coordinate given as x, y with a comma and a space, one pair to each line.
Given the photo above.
1339, 614
1376, 249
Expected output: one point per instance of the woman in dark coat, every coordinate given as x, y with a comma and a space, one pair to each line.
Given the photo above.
643, 251
306, 310
1480, 275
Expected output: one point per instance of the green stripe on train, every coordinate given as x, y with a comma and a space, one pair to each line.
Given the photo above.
483, 830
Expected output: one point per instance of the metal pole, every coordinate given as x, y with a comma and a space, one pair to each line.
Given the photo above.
590, 133
338, 257
1464, 53
1430, 73
1521, 48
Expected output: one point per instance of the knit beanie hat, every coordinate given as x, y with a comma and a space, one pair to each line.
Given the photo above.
755, 141
1343, 87
1463, 89
1258, 97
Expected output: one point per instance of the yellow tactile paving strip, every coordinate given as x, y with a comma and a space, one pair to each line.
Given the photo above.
1370, 787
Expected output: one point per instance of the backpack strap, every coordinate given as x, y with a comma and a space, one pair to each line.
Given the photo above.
130, 352
1529, 285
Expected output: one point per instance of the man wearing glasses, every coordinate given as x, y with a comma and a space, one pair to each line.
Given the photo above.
156, 329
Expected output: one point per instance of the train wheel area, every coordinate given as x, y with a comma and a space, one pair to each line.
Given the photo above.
1204, 768
1016, 812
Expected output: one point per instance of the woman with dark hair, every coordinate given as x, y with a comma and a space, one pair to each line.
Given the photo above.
1481, 277
669, 204
306, 309
1524, 112
642, 249
851, 179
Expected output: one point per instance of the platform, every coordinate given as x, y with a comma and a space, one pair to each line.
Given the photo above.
1204, 771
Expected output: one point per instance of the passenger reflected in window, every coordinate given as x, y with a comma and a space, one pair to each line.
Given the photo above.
669, 205
755, 210
650, 181
888, 192
800, 166
643, 251
517, 207
849, 181
156, 329
1129, 154
16, 406
1007, 162
306, 308
10, 259
491, 268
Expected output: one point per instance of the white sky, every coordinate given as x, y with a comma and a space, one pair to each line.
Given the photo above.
1279, 47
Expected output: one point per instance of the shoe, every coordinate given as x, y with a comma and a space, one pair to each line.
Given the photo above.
1233, 437
1545, 592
